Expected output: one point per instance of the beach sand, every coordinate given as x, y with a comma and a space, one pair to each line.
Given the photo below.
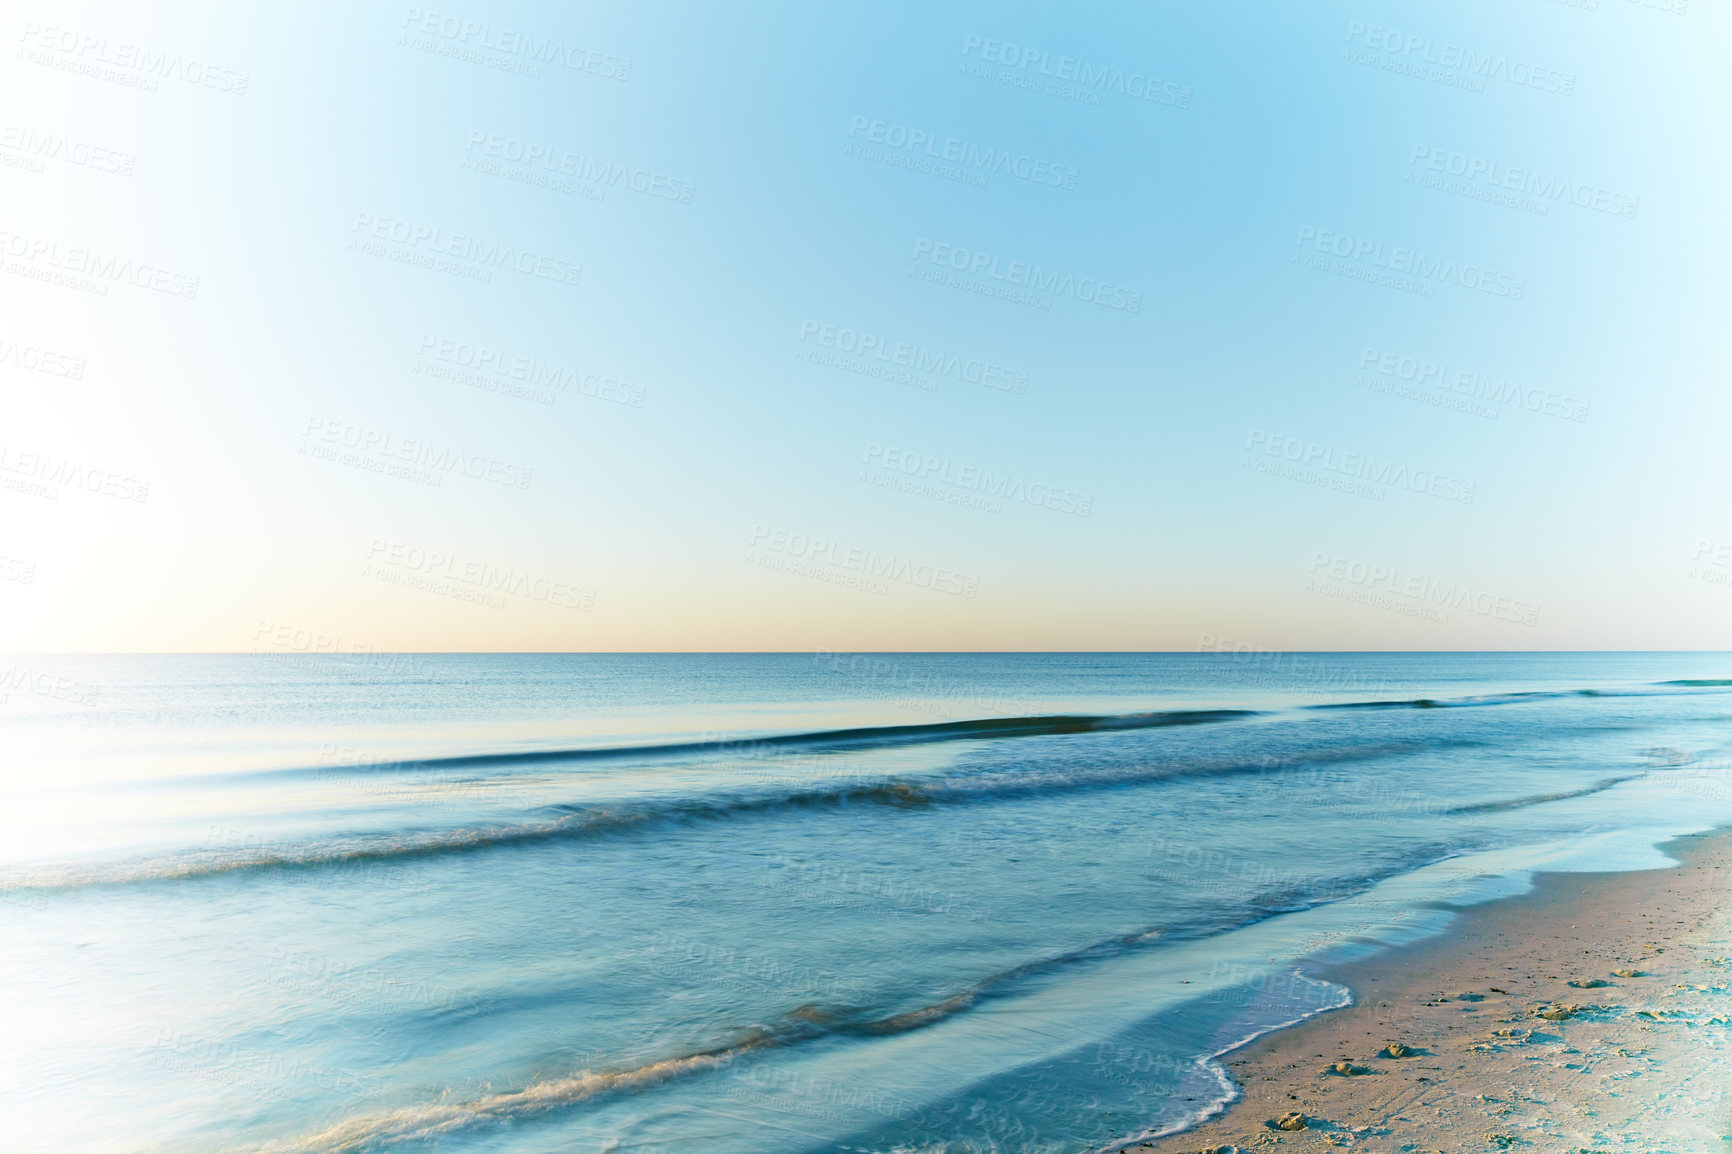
1642, 1065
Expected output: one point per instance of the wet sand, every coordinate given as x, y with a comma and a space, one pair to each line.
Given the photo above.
1505, 1052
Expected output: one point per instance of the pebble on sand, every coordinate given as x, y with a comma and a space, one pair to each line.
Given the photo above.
1557, 1011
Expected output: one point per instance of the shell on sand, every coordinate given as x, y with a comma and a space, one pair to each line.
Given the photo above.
1588, 983
1515, 1032
1346, 1069
1291, 1121
1396, 1050
1626, 973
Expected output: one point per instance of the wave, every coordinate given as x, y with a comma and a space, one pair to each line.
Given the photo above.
1228, 1091
1699, 682
803, 1024
433, 1120
575, 822
861, 737
1510, 698
1541, 799
566, 822
888, 736
1467, 702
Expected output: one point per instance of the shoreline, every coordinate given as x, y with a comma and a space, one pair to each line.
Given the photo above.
1631, 1066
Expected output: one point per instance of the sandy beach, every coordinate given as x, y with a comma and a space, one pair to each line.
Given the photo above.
1590, 1014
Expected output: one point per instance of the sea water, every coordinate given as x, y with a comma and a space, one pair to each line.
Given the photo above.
750, 903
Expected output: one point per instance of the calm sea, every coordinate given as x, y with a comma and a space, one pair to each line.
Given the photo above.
765, 903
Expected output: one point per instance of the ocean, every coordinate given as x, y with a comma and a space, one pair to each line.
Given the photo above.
294, 901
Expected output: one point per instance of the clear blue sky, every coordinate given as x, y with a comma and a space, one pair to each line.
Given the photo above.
1367, 326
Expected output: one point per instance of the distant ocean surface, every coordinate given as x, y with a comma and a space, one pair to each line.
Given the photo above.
761, 903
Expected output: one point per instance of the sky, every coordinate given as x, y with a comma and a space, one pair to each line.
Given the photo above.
346, 328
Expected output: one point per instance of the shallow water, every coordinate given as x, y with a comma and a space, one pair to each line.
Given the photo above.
763, 903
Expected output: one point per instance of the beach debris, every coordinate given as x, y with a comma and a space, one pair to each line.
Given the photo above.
1587, 983
1347, 1069
1292, 1120
1468, 997
1396, 1050
1627, 974
1220, 1150
1514, 1033
1557, 1011
1502, 1141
